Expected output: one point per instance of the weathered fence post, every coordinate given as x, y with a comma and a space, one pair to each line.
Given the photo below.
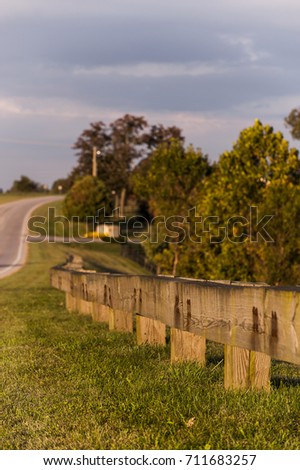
101, 313
71, 302
187, 346
149, 331
245, 369
120, 320
255, 322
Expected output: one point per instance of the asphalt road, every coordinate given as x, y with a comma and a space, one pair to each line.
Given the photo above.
13, 231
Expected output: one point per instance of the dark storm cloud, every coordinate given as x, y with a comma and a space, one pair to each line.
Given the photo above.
97, 41
200, 93
43, 54
65, 63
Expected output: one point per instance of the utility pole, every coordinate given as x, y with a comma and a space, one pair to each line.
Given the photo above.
95, 153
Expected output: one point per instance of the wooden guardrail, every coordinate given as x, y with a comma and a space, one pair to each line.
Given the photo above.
255, 322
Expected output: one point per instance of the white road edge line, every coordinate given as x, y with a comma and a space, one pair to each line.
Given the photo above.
21, 257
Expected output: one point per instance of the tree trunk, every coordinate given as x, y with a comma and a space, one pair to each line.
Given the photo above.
176, 259
122, 202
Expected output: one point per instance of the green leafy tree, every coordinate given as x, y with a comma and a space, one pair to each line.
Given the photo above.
61, 185
156, 136
123, 144
256, 173
279, 262
292, 122
171, 180
96, 136
120, 144
86, 197
126, 147
160, 134
26, 185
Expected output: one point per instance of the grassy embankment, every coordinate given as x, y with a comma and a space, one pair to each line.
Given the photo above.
10, 197
69, 383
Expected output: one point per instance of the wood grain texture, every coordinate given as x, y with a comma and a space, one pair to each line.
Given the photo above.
244, 369
260, 370
249, 316
150, 331
186, 346
71, 303
236, 367
120, 320
85, 307
101, 313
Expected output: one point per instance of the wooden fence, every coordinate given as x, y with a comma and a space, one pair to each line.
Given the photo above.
255, 322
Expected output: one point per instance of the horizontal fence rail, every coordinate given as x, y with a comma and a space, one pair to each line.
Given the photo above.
255, 322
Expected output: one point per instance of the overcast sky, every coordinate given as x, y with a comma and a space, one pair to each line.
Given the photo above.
208, 66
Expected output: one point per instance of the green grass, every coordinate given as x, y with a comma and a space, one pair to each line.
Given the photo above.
100, 256
58, 224
69, 383
10, 197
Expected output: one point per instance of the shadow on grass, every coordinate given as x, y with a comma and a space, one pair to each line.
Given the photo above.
100, 268
278, 381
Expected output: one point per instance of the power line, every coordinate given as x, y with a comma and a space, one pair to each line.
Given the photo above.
33, 142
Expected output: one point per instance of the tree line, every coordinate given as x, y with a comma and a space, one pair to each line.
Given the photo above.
238, 218
247, 210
